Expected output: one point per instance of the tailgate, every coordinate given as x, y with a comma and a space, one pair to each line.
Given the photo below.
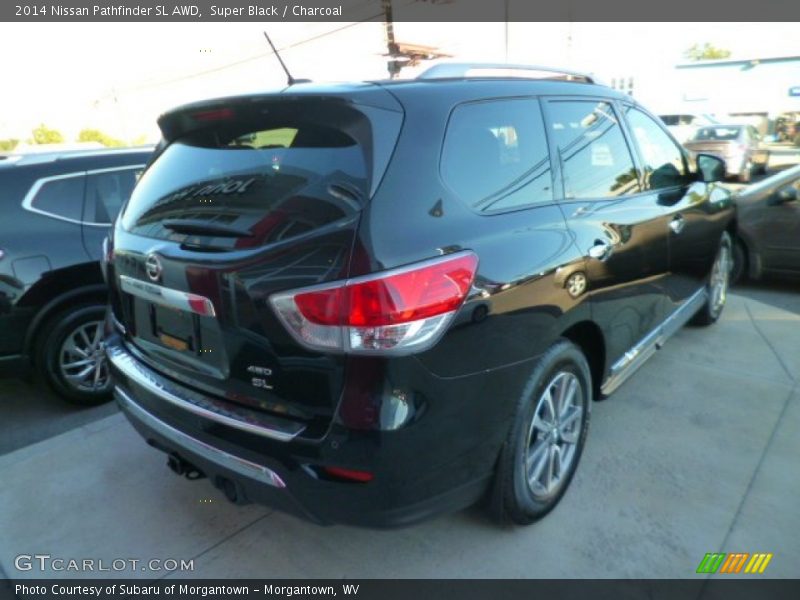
265, 197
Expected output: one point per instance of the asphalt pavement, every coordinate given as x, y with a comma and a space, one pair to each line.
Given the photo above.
696, 453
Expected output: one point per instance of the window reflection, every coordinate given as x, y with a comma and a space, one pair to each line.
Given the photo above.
495, 155
596, 161
663, 159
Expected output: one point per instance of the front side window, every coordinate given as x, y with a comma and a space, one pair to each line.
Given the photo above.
663, 159
495, 155
595, 159
106, 193
60, 197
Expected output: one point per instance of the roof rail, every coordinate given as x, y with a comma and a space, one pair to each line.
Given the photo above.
461, 70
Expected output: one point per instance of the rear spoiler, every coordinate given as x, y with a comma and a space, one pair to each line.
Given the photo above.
193, 117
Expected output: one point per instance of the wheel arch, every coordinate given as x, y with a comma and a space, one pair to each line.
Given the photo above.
751, 252
79, 286
588, 336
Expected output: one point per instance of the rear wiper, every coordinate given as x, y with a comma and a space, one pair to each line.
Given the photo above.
204, 228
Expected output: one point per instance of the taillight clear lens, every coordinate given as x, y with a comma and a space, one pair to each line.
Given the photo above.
397, 312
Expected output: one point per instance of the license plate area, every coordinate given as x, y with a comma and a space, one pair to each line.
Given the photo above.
176, 329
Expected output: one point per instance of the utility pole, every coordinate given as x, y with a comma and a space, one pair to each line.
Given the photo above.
400, 54
505, 6
392, 65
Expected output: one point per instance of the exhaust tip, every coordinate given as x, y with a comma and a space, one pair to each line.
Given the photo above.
184, 468
232, 492
175, 464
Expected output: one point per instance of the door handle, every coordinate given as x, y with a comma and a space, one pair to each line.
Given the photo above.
601, 250
677, 224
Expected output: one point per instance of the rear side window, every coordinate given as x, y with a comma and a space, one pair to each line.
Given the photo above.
290, 168
663, 159
106, 193
60, 197
595, 159
495, 155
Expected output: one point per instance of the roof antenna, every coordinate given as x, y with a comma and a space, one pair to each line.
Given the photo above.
290, 80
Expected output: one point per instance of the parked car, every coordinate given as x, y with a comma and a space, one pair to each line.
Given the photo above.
767, 240
57, 208
740, 146
683, 126
786, 128
371, 303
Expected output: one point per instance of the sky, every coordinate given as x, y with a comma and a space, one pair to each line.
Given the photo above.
119, 77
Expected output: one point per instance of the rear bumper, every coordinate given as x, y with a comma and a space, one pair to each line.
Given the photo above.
418, 471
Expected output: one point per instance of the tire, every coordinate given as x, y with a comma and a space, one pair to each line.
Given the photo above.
764, 169
520, 495
718, 283
739, 268
72, 345
746, 174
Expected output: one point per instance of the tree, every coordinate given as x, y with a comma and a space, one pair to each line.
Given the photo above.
706, 52
44, 135
95, 135
8, 145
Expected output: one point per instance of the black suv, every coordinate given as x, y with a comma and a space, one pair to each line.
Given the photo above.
57, 207
370, 303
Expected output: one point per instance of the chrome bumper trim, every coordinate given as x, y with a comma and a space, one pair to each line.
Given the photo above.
168, 297
211, 454
198, 404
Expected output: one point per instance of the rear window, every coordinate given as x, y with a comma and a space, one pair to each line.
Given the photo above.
724, 134
260, 180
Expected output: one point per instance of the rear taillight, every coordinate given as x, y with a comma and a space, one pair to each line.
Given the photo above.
397, 312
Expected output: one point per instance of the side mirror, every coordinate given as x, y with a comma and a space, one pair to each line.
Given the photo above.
787, 193
710, 167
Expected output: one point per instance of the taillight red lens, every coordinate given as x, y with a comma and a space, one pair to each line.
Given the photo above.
413, 295
402, 310
322, 307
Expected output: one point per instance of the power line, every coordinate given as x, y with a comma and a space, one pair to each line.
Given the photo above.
249, 58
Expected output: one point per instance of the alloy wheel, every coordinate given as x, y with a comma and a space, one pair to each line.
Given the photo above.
553, 435
82, 360
720, 278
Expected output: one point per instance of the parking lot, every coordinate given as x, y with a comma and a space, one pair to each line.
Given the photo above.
696, 453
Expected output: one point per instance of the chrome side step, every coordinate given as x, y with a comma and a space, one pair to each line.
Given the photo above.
215, 455
647, 346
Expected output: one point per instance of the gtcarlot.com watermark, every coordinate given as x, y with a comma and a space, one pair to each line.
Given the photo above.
48, 563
